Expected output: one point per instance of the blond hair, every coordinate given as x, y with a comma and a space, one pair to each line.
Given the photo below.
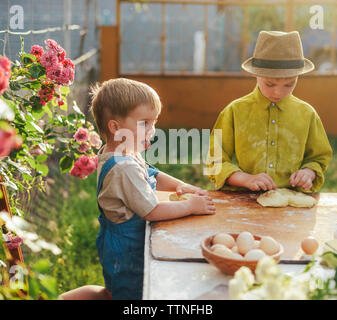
116, 98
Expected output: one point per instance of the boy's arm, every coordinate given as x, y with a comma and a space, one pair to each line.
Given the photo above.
221, 150
166, 182
318, 152
167, 210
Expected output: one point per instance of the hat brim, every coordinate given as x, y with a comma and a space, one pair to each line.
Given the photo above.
277, 73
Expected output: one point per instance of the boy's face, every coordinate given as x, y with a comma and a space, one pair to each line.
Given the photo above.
275, 89
140, 123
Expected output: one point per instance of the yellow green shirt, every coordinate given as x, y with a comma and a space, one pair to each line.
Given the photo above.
274, 138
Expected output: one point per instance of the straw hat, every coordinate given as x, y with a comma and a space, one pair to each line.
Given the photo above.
278, 55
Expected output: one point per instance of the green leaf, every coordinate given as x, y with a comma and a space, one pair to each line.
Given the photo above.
32, 162
38, 111
26, 177
14, 85
42, 168
49, 286
37, 70
66, 163
33, 288
27, 58
41, 158
64, 90
64, 107
42, 266
31, 126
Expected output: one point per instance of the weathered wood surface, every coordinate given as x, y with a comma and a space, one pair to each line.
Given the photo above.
179, 239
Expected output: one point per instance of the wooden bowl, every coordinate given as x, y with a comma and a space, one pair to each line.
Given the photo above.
227, 265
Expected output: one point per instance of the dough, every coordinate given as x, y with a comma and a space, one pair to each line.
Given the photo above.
272, 198
175, 197
283, 197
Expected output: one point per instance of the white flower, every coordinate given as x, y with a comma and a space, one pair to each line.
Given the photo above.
237, 289
266, 268
246, 275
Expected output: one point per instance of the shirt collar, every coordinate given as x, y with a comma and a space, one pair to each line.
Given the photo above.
266, 103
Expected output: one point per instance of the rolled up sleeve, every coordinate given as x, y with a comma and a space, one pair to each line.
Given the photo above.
318, 152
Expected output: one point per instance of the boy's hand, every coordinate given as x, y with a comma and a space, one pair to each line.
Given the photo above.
201, 205
303, 178
188, 188
253, 182
257, 182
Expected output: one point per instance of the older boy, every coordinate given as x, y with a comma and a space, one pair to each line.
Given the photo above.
278, 140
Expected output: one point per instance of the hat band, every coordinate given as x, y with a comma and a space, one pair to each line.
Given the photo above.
277, 64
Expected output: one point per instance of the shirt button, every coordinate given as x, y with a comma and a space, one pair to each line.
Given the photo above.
272, 143
273, 121
270, 165
273, 104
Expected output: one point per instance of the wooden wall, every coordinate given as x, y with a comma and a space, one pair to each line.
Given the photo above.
194, 101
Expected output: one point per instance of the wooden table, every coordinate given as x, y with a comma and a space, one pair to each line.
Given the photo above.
176, 269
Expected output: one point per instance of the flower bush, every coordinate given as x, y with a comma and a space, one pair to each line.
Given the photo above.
35, 124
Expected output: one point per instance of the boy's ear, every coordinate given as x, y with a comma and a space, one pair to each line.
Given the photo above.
113, 126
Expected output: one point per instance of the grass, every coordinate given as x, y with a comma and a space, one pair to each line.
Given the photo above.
68, 217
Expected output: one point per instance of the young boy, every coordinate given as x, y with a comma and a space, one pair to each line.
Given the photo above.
278, 140
125, 112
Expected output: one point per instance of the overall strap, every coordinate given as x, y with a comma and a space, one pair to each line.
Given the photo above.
107, 166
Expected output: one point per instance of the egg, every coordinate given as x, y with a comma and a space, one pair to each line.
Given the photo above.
254, 254
218, 245
269, 245
256, 244
237, 256
235, 249
225, 239
309, 245
245, 242
223, 251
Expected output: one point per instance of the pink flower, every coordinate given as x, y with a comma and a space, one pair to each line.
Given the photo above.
4, 81
49, 59
5, 73
56, 48
84, 166
13, 242
8, 141
67, 63
84, 147
5, 64
95, 140
81, 134
37, 51
46, 93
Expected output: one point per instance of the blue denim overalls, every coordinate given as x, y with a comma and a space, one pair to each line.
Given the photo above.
121, 246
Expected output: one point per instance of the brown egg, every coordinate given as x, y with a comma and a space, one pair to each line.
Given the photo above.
225, 239
309, 245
